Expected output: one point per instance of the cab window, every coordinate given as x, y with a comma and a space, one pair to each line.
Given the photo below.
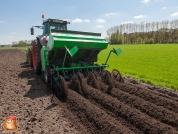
58, 26
45, 29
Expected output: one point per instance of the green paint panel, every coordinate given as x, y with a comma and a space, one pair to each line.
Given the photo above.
82, 46
81, 41
72, 51
44, 57
118, 51
79, 67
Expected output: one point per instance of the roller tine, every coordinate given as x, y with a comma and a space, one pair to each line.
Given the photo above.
64, 74
118, 74
94, 74
52, 98
83, 85
99, 70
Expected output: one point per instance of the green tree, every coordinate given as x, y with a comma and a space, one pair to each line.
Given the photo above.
20, 44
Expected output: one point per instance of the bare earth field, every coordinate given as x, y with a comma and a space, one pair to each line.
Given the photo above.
130, 107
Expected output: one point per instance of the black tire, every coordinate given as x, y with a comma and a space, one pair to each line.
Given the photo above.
30, 61
36, 47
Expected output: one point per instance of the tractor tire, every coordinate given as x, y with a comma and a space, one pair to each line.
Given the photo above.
36, 47
30, 61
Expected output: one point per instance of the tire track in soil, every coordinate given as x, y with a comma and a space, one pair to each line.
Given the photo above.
153, 91
99, 119
132, 115
163, 91
118, 118
158, 112
148, 96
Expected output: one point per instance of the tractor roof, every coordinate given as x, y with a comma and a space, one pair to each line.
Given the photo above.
56, 21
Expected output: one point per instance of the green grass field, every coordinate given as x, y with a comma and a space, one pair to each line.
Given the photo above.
154, 64
11, 48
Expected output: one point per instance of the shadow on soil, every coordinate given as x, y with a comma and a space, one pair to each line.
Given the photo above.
38, 87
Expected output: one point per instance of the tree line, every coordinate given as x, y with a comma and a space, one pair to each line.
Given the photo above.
21, 43
144, 33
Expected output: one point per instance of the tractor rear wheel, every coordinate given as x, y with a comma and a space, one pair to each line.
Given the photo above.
36, 47
30, 62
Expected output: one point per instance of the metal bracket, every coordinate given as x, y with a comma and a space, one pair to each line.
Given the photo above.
117, 52
71, 52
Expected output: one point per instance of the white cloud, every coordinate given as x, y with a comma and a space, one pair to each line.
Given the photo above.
66, 19
99, 26
128, 22
140, 16
86, 20
100, 20
145, 1
77, 20
111, 14
1, 21
174, 14
80, 20
14, 33
164, 8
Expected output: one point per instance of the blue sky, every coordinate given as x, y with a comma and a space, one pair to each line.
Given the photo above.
17, 16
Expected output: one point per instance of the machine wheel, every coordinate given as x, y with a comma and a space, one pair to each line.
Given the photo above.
82, 84
75, 84
62, 90
117, 75
78, 84
47, 75
36, 47
30, 62
93, 81
107, 79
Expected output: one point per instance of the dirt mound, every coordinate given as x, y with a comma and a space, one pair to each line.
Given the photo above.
107, 104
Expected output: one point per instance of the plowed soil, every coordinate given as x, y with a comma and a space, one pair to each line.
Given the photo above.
129, 107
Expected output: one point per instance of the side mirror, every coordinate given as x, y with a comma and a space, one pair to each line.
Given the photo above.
32, 31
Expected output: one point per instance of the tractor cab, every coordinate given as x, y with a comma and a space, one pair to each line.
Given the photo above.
51, 25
